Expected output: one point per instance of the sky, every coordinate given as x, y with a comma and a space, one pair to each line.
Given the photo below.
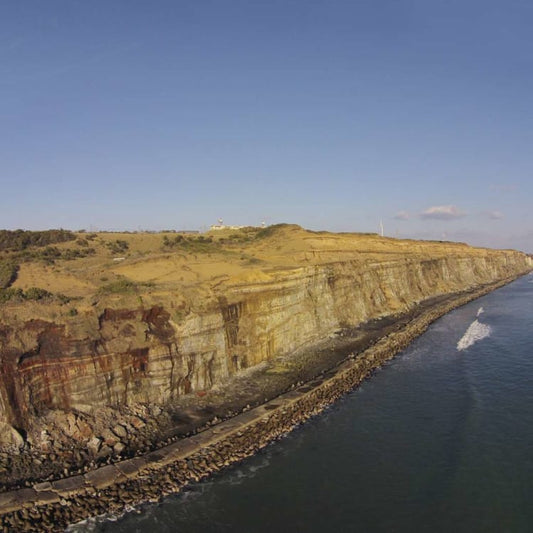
335, 115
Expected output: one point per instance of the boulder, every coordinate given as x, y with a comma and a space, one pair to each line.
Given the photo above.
10, 439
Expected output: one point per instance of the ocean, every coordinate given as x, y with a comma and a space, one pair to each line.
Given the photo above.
440, 439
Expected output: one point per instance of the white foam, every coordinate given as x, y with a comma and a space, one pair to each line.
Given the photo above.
480, 310
475, 332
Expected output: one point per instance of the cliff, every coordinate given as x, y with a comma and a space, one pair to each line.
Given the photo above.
188, 320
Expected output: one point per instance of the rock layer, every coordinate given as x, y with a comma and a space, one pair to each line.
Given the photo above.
51, 506
153, 354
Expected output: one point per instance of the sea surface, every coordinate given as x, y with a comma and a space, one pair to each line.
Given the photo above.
439, 440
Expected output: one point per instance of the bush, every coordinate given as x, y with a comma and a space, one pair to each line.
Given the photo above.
70, 253
200, 244
19, 240
170, 243
51, 253
31, 294
62, 298
123, 286
118, 246
118, 287
36, 293
10, 294
8, 273
269, 231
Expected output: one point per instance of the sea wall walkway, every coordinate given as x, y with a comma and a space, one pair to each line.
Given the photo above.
51, 506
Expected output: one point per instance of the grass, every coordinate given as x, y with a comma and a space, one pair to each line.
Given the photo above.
272, 230
178, 262
123, 286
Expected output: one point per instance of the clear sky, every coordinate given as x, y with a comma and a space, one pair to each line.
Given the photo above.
330, 114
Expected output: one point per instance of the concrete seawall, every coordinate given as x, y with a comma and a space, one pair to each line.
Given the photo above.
51, 506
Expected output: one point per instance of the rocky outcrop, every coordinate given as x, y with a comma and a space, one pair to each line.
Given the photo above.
152, 354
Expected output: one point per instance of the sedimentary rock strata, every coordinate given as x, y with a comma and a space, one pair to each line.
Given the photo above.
97, 384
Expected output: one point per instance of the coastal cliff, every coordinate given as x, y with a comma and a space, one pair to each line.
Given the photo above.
129, 355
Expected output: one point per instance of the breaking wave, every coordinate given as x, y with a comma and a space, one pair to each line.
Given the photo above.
475, 332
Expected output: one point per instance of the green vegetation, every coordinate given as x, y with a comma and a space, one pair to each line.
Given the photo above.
209, 243
10, 294
31, 294
36, 293
242, 236
200, 244
71, 253
272, 230
19, 240
118, 247
169, 243
123, 286
51, 253
8, 273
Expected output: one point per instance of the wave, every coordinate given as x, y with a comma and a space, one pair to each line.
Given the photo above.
475, 332
480, 310
93, 524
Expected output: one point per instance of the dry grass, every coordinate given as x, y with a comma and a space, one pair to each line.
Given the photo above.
202, 261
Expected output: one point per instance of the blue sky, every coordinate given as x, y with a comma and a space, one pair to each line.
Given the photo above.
330, 114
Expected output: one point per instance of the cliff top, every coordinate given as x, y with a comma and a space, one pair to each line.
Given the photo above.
66, 272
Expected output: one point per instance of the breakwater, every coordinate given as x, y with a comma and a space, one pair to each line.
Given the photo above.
52, 505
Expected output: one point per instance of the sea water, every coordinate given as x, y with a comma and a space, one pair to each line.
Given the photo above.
439, 440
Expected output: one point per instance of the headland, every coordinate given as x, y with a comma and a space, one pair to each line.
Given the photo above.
157, 359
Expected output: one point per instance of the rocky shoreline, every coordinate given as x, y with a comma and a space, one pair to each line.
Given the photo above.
52, 505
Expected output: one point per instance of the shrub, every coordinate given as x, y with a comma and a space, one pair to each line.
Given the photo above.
169, 243
36, 293
118, 246
63, 298
31, 294
269, 231
124, 286
70, 253
8, 273
200, 244
118, 287
20, 240
10, 294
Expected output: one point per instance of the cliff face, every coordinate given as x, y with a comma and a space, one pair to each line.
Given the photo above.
153, 354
